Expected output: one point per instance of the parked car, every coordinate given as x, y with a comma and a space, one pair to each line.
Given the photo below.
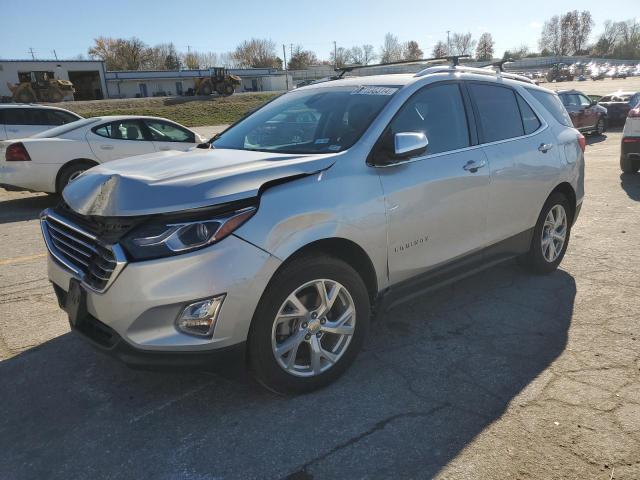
630, 148
274, 246
618, 105
586, 115
48, 161
23, 120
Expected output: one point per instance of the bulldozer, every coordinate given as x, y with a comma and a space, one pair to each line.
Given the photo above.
219, 80
559, 72
40, 87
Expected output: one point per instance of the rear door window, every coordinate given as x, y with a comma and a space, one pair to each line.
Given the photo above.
439, 113
498, 112
553, 105
57, 117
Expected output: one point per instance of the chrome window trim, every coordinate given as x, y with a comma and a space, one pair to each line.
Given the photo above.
117, 251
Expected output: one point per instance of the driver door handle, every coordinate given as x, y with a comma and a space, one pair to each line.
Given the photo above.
545, 147
473, 166
106, 147
164, 149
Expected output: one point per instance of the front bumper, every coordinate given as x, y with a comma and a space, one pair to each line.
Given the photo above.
107, 340
141, 306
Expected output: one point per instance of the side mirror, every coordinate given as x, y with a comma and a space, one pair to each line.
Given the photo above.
407, 144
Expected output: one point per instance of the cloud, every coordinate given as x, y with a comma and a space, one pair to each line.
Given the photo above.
535, 24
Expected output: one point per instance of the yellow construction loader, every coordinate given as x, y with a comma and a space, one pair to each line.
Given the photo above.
40, 87
220, 81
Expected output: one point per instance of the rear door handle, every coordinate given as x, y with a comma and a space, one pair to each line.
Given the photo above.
473, 166
106, 147
545, 147
164, 149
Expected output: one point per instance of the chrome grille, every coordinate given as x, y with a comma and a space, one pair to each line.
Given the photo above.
78, 250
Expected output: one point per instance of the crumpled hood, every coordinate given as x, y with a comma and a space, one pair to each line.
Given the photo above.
175, 181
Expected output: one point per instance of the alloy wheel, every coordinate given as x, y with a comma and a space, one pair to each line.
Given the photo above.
313, 328
554, 233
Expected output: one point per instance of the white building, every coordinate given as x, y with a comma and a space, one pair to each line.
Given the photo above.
128, 84
91, 81
88, 76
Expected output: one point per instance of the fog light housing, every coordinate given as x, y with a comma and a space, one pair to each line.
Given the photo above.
199, 318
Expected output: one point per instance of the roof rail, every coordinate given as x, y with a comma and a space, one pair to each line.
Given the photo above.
454, 59
476, 70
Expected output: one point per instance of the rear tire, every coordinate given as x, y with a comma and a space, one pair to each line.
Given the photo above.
628, 164
280, 322
550, 236
70, 173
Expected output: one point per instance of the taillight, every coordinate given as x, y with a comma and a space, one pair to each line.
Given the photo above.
582, 142
634, 113
16, 152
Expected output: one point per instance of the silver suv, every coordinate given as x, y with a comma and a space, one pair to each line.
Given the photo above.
273, 245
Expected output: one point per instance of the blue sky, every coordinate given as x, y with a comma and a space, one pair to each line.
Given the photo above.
70, 26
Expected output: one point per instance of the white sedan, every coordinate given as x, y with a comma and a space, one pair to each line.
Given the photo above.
48, 161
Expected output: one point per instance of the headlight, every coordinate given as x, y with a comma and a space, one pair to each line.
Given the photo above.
162, 239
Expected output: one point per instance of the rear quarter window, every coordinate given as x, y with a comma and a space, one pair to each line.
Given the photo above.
553, 105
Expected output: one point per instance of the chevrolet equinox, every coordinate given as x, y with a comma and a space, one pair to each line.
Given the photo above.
272, 244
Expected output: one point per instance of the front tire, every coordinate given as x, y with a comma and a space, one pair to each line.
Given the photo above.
600, 127
309, 325
550, 236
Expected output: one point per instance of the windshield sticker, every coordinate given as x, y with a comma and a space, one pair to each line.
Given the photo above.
369, 90
333, 148
322, 141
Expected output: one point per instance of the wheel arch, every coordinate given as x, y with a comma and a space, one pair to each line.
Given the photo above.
567, 190
346, 250
69, 164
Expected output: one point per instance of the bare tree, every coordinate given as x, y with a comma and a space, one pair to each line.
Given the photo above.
462, 43
582, 30
361, 55
257, 53
340, 57
439, 49
121, 54
391, 50
163, 57
566, 34
484, 50
368, 54
301, 59
412, 51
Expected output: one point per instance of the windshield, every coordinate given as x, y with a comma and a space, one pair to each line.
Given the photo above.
318, 120
62, 129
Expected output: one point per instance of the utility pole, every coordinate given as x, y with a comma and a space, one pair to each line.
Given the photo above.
55, 55
33, 57
286, 71
448, 44
290, 51
335, 54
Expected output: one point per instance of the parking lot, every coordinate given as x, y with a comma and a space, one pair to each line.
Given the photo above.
502, 375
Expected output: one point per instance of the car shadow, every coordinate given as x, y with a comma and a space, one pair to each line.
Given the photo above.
25, 208
433, 375
593, 139
630, 183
